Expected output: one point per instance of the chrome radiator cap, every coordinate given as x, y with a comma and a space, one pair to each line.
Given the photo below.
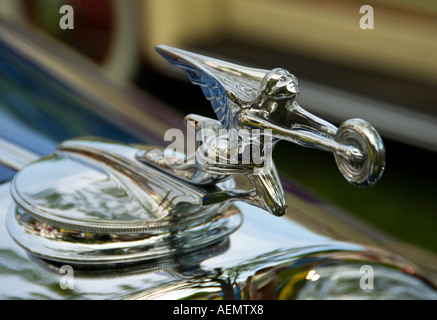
91, 202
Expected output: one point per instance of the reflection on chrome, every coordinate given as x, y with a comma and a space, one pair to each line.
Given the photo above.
92, 203
343, 282
313, 276
176, 263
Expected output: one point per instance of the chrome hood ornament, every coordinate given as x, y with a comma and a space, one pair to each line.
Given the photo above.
95, 202
258, 107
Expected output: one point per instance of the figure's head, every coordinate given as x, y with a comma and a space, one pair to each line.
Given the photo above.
279, 84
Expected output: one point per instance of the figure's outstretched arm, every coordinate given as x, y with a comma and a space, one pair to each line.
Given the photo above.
312, 133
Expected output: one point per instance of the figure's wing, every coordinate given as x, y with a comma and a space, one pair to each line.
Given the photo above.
228, 86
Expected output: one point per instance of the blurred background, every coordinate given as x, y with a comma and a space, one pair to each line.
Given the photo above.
386, 75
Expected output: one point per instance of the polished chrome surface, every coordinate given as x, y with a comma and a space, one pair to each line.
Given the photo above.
87, 183
362, 135
85, 249
95, 207
91, 202
15, 156
242, 266
262, 102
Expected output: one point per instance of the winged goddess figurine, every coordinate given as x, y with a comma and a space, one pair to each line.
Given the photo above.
261, 106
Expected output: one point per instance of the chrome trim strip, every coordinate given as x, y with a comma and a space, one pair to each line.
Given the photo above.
15, 156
